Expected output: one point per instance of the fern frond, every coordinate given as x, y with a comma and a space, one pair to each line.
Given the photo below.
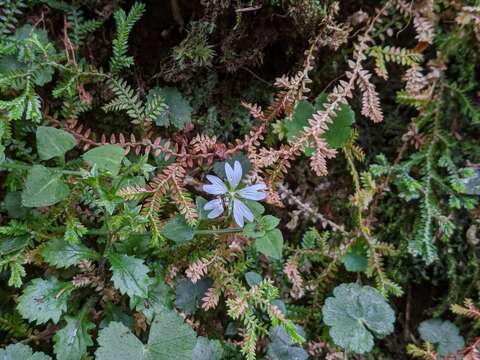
468, 309
370, 100
427, 352
125, 24
9, 12
126, 99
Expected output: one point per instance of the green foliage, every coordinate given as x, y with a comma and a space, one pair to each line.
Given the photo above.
62, 254
168, 335
72, 341
129, 275
356, 314
443, 334
44, 300
22, 352
124, 23
43, 187
282, 347
178, 111
101, 158
106, 157
53, 142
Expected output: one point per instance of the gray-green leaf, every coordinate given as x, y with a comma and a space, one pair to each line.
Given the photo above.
443, 334
44, 300
21, 351
282, 347
356, 314
43, 187
179, 111
72, 341
62, 254
106, 157
129, 275
271, 244
178, 230
53, 142
169, 338
207, 349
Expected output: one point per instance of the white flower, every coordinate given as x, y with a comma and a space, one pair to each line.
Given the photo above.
231, 195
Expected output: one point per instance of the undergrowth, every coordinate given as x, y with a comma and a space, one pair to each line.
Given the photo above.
239, 179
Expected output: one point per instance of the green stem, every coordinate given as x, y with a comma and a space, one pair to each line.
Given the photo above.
15, 166
196, 232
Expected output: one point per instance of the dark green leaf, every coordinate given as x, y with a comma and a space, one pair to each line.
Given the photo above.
106, 157
62, 254
72, 341
188, 295
43, 187
179, 111
271, 244
253, 278
178, 230
53, 142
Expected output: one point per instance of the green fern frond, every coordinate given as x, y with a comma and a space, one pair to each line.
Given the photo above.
125, 24
9, 12
126, 99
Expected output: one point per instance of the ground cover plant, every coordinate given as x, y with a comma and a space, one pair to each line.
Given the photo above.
239, 179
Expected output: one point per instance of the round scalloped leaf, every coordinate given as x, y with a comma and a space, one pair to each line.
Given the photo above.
356, 314
443, 334
21, 352
170, 338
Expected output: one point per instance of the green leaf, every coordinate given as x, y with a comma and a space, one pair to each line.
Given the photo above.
169, 338
303, 112
12, 244
443, 334
106, 157
62, 254
269, 222
188, 295
72, 341
20, 351
178, 230
129, 275
356, 258
471, 184
253, 278
156, 301
339, 131
207, 349
271, 244
43, 187
179, 111
13, 204
356, 314
282, 347
53, 142
44, 300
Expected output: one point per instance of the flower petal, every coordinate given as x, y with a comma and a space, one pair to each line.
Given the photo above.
253, 192
217, 186
216, 206
240, 211
233, 175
